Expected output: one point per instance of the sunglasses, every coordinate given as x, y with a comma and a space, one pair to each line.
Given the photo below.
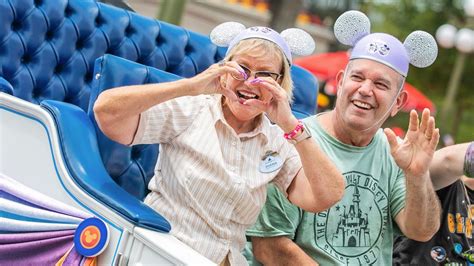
256, 74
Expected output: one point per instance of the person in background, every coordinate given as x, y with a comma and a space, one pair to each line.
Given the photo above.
388, 185
224, 135
452, 171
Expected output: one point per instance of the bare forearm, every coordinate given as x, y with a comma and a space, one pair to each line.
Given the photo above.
117, 110
128, 101
422, 209
447, 165
279, 251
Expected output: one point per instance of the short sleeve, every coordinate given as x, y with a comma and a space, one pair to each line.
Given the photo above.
291, 167
397, 194
278, 217
165, 121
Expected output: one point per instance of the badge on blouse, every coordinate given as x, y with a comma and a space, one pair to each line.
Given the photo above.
270, 162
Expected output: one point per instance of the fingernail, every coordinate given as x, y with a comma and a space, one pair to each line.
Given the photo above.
244, 75
255, 81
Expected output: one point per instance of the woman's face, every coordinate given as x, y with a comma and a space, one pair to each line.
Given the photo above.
267, 66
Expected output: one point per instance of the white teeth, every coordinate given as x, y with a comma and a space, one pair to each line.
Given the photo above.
247, 94
362, 105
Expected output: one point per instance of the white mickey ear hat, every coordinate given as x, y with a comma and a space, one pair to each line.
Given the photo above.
419, 48
291, 41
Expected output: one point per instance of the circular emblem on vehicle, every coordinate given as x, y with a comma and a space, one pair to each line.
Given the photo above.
91, 237
438, 254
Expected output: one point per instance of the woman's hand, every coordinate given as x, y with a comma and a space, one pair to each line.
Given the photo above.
213, 79
278, 107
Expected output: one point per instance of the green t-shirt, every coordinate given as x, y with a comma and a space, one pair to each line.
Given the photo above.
357, 230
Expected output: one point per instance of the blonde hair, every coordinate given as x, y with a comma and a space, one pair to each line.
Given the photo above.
260, 47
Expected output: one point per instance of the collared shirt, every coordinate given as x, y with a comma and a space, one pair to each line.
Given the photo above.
207, 180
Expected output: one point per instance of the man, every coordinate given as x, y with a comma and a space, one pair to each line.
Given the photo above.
453, 243
388, 186
451, 172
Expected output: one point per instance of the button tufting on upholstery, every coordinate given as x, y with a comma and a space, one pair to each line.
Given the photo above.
129, 31
159, 40
79, 44
49, 35
68, 12
38, 2
16, 25
136, 153
25, 59
88, 77
36, 93
188, 49
58, 69
98, 21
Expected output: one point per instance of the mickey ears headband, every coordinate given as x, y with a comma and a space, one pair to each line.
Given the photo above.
419, 48
290, 41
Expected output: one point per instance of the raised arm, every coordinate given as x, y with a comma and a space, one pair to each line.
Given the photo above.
448, 165
279, 250
118, 110
420, 218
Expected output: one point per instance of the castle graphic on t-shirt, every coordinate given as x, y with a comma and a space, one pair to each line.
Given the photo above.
353, 226
353, 230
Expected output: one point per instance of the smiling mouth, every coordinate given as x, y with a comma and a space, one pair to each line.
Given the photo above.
247, 95
362, 105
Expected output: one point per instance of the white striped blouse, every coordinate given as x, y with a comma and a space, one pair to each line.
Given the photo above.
207, 181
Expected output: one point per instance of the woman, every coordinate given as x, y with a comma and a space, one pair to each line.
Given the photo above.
218, 150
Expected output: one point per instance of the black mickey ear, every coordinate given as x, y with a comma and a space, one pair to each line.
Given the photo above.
351, 26
299, 41
224, 33
421, 48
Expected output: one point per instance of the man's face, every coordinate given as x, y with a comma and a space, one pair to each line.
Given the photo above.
368, 94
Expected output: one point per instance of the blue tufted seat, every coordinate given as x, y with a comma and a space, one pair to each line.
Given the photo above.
48, 49
131, 167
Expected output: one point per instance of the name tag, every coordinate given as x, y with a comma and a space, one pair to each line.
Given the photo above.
270, 162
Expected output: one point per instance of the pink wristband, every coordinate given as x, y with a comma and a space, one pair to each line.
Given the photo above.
292, 134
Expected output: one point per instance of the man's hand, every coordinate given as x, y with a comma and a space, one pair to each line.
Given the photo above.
419, 220
414, 154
